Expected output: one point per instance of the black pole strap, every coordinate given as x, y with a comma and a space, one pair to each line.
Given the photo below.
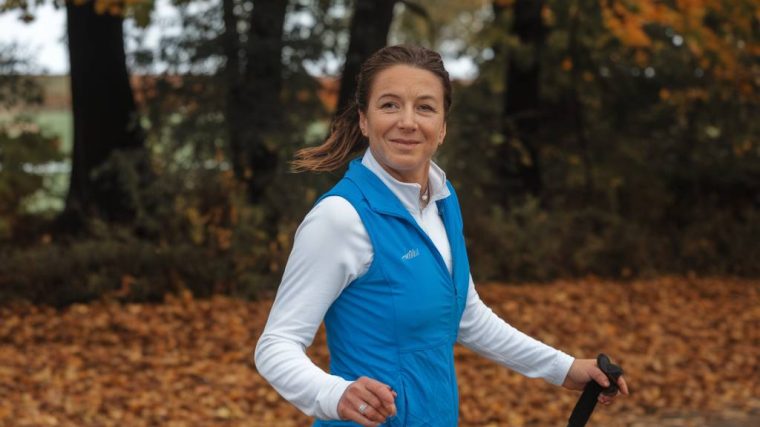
587, 401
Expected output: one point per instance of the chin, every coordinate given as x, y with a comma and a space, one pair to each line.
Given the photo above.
404, 164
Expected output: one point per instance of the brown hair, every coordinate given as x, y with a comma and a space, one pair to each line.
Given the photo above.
345, 138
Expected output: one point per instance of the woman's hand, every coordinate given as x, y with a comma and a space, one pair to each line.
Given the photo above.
367, 402
585, 370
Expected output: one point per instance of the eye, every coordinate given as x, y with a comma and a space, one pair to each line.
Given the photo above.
388, 106
427, 108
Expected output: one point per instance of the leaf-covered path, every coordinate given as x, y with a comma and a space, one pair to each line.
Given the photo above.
690, 348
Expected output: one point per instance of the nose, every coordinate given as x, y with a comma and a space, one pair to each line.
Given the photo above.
407, 121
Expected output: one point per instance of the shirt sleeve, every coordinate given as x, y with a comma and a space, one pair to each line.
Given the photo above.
330, 250
484, 332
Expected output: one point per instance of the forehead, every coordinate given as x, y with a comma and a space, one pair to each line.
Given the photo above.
405, 80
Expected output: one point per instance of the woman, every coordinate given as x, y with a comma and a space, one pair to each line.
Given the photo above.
381, 259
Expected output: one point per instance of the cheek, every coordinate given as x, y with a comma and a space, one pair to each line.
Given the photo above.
380, 126
436, 132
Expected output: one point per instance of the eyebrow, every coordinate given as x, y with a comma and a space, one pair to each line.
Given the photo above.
393, 95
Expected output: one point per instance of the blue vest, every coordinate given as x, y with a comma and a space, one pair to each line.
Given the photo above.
398, 323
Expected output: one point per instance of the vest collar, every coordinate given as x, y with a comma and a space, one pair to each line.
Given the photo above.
379, 197
408, 193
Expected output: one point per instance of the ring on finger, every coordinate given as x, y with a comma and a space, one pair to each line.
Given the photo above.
362, 408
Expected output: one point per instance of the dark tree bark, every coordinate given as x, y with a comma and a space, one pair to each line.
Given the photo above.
577, 105
232, 73
369, 33
263, 84
254, 76
104, 112
521, 104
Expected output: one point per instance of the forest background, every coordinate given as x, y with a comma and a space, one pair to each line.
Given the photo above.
609, 138
605, 153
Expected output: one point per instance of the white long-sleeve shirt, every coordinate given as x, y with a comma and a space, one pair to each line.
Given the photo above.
332, 249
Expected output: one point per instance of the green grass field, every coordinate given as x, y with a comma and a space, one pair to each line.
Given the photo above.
58, 124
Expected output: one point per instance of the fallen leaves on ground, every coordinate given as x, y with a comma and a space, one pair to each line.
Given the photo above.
690, 349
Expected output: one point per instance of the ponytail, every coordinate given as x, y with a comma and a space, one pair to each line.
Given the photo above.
345, 140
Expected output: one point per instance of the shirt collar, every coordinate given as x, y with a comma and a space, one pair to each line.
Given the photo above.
409, 193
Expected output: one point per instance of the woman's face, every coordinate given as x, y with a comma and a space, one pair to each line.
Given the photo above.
404, 121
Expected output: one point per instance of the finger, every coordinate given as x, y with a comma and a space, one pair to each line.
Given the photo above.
372, 414
375, 404
369, 390
354, 402
356, 416
384, 394
623, 385
371, 397
350, 402
597, 375
382, 391
359, 401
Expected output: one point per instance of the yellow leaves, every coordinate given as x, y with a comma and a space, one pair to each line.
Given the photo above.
139, 9
111, 7
742, 148
625, 25
214, 226
683, 98
641, 58
127, 282
223, 413
650, 327
567, 64
633, 34
303, 95
547, 16
696, 94
197, 222
688, 346
693, 11
746, 88
726, 47
223, 238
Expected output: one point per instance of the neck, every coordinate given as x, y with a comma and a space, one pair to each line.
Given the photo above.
409, 178
425, 194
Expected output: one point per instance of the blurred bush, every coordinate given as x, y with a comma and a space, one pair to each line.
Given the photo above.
193, 232
24, 154
531, 243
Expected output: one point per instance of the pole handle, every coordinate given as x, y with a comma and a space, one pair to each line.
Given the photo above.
587, 402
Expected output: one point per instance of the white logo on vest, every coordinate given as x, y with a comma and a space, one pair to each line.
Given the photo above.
413, 253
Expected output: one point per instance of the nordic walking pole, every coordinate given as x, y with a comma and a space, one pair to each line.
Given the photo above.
587, 401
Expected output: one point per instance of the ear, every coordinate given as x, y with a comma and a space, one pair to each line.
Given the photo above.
363, 123
442, 134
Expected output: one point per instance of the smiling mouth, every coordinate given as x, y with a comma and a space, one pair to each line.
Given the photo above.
404, 141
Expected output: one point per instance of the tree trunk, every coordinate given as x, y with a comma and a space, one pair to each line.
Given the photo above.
105, 116
578, 107
260, 95
234, 108
521, 99
369, 33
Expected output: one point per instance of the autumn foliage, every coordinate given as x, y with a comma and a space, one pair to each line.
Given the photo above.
690, 348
